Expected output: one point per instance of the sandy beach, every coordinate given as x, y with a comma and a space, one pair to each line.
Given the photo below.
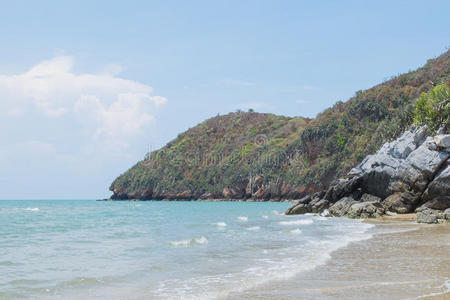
403, 260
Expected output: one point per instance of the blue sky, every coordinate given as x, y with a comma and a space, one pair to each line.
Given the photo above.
87, 87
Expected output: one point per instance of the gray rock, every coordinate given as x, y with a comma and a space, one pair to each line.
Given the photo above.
319, 206
368, 197
342, 188
425, 159
372, 209
408, 177
379, 160
395, 203
440, 203
305, 200
298, 209
440, 186
378, 181
442, 140
427, 216
405, 144
447, 214
341, 207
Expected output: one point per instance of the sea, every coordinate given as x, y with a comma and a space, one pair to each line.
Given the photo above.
87, 249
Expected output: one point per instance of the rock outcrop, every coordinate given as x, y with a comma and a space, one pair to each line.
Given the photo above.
410, 174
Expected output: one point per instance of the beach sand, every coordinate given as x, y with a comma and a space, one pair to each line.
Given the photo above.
403, 260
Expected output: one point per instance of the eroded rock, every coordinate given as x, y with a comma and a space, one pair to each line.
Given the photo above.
442, 140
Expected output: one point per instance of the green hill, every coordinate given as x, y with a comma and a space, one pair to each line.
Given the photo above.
246, 155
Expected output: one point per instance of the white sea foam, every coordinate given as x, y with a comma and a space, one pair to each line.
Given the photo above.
221, 224
190, 242
296, 222
201, 240
325, 213
138, 205
254, 228
32, 209
265, 217
263, 270
243, 219
295, 231
276, 212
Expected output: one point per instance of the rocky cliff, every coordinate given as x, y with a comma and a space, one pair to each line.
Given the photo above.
410, 174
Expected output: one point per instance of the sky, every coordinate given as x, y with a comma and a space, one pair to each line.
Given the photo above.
88, 87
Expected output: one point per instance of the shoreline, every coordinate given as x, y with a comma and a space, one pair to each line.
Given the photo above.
402, 260
200, 200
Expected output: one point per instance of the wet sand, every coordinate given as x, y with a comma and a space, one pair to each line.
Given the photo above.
403, 260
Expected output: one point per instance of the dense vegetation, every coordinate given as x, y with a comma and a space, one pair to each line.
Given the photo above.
433, 108
264, 156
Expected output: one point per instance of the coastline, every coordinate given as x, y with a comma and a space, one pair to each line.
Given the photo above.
202, 200
402, 260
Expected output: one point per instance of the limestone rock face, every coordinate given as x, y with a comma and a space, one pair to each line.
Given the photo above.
440, 186
442, 140
426, 158
411, 171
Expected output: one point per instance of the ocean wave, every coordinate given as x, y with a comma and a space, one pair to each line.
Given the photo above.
265, 217
32, 209
254, 228
277, 213
190, 242
295, 231
243, 219
221, 224
265, 270
296, 222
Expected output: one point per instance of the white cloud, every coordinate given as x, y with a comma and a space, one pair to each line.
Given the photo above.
124, 117
115, 108
301, 101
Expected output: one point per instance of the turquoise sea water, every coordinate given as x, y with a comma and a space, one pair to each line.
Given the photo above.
158, 250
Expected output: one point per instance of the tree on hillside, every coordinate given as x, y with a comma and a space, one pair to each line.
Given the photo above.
433, 108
